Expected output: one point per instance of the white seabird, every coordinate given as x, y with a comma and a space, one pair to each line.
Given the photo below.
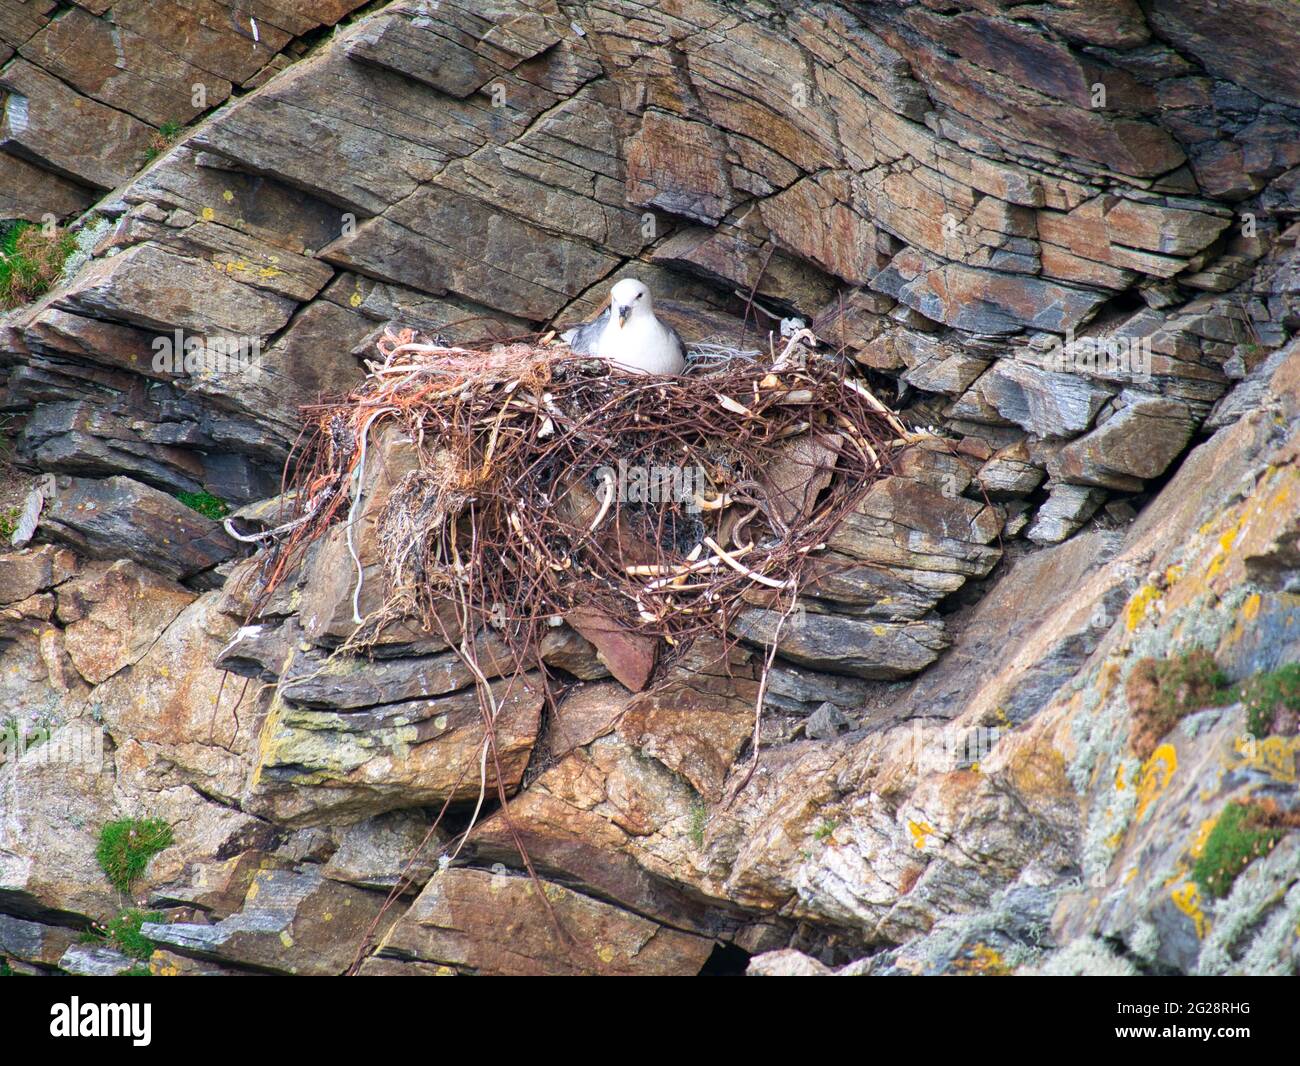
628, 336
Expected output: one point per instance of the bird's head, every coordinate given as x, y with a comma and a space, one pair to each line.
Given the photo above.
627, 298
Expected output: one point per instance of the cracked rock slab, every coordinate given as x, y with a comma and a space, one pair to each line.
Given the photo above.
497, 924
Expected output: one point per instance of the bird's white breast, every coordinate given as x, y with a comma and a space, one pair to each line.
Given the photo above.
642, 345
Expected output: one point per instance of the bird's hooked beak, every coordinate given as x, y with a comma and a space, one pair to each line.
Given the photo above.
623, 312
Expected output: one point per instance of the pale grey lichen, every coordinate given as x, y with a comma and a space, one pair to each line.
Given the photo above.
1256, 928
1085, 957
86, 238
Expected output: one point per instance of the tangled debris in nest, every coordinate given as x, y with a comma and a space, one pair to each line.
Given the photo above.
548, 488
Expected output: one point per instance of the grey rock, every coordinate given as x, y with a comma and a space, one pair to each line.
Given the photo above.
1046, 403
825, 723
1066, 509
119, 517
86, 960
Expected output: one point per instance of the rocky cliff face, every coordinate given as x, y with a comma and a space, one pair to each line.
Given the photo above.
1061, 233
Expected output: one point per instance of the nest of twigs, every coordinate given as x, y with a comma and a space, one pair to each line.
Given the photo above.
548, 484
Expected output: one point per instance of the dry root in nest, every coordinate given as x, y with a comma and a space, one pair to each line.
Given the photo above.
548, 484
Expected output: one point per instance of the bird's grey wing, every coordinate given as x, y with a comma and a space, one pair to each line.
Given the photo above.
677, 340
582, 339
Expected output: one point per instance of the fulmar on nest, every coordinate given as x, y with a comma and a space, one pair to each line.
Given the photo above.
628, 336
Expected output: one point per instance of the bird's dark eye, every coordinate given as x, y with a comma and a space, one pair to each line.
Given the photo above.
639, 295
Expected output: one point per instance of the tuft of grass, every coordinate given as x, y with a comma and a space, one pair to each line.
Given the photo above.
205, 503
824, 831
5, 971
1272, 701
138, 970
127, 845
1161, 692
9, 521
31, 261
123, 933
163, 138
1241, 835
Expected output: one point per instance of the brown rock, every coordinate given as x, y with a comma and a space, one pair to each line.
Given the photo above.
92, 339
253, 262
629, 656
118, 517
476, 251
113, 615
680, 167
1010, 473
569, 651
488, 923
1137, 442
150, 287
309, 362
983, 301
1021, 118
745, 85
19, 21
1045, 402
585, 714
1066, 509
70, 134
27, 191
456, 50
209, 29
841, 644
321, 765
1129, 235
33, 570
1031, 59
118, 67
182, 723
816, 218
386, 851
268, 211
904, 523
736, 258
1225, 35
697, 723
1110, 23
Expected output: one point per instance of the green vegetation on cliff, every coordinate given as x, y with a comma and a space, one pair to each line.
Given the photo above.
127, 845
123, 933
205, 503
1240, 836
31, 260
1272, 701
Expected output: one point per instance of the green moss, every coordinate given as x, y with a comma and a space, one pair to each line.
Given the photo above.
31, 260
126, 846
1237, 839
5, 971
123, 933
136, 971
205, 503
823, 832
699, 818
1265, 695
